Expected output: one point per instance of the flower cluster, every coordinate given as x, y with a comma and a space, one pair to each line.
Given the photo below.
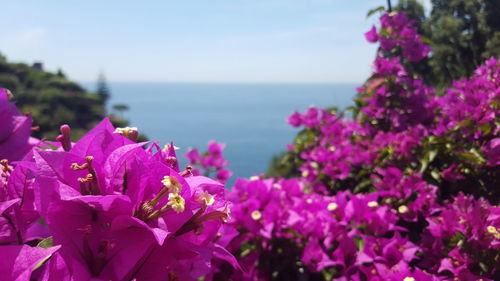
470, 110
467, 232
210, 161
381, 196
376, 236
399, 121
393, 99
107, 208
397, 35
398, 232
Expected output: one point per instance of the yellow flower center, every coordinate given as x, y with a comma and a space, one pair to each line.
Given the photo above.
493, 230
125, 131
176, 202
332, 206
227, 212
205, 198
256, 215
403, 209
172, 184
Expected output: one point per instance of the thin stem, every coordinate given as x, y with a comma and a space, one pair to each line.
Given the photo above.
389, 6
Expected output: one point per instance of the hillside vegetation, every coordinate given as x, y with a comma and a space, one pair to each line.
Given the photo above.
52, 99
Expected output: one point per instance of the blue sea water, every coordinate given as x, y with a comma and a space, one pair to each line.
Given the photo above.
249, 118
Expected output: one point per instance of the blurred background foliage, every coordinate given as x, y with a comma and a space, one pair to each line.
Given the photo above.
52, 99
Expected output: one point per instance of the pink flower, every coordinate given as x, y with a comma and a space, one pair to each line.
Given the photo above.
15, 131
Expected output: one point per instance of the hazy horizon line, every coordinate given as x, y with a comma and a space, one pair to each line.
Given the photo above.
225, 82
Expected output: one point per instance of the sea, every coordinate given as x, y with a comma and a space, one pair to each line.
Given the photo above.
249, 118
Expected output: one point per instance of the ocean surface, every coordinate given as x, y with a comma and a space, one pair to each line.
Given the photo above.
249, 118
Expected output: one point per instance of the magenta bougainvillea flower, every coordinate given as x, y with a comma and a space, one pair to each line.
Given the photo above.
15, 131
211, 161
19, 261
113, 206
113, 209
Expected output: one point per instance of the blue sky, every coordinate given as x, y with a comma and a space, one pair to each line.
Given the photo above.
193, 41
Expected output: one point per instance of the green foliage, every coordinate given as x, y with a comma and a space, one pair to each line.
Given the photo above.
462, 34
374, 11
53, 100
46, 243
412, 8
285, 164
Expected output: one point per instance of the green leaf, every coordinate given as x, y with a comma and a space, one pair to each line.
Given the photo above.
473, 155
42, 262
483, 267
373, 11
360, 243
429, 156
478, 155
46, 243
467, 156
362, 185
247, 248
432, 154
456, 239
485, 128
467, 123
436, 175
330, 272
426, 40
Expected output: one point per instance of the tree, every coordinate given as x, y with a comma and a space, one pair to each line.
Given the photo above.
120, 108
412, 8
462, 33
102, 88
60, 73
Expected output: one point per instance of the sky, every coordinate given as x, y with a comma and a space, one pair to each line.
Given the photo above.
214, 41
